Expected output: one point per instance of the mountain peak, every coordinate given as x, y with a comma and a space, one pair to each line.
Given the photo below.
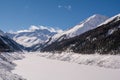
88, 24
33, 28
96, 16
1, 33
104, 39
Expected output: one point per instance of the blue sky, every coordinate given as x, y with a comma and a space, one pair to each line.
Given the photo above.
20, 14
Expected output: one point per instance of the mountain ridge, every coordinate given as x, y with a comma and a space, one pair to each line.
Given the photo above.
104, 40
87, 24
7, 44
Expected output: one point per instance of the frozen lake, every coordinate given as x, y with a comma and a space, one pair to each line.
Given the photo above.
34, 67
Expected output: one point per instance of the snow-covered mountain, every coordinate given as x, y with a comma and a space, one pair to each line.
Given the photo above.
1, 33
104, 39
88, 24
34, 35
7, 44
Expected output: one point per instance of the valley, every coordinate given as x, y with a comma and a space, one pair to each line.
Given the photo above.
88, 51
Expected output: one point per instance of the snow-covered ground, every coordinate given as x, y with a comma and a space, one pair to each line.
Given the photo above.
107, 61
6, 65
35, 67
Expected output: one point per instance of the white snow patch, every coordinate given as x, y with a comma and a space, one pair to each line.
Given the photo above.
111, 31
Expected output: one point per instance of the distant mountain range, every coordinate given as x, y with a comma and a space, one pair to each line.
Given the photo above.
34, 35
96, 34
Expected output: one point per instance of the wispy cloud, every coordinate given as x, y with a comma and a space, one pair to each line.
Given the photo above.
68, 7
60, 6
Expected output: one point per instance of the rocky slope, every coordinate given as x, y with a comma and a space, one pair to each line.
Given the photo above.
7, 44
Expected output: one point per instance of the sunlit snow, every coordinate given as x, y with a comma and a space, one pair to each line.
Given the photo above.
34, 67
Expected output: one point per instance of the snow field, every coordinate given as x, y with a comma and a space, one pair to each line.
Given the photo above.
35, 67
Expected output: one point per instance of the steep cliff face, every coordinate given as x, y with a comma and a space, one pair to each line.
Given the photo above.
104, 39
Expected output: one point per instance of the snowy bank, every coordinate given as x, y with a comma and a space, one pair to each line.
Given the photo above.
6, 65
107, 61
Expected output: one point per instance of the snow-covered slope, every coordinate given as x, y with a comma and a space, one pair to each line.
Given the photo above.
34, 35
88, 24
1, 33
6, 65
7, 44
105, 39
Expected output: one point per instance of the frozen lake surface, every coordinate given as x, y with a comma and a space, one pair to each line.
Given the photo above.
34, 67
